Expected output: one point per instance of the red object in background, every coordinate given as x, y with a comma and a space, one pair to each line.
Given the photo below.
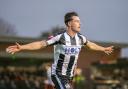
50, 37
49, 86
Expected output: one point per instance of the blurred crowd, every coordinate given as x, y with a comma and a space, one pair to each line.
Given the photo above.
34, 79
21, 80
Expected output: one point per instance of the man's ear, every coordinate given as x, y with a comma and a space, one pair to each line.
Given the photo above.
69, 24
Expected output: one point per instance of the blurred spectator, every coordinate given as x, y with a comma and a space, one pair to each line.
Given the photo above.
79, 79
48, 82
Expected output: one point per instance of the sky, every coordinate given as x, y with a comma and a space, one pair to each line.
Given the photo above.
101, 20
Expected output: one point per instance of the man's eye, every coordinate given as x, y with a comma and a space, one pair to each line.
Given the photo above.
77, 21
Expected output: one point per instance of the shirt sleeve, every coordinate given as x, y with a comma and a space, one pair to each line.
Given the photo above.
53, 40
85, 41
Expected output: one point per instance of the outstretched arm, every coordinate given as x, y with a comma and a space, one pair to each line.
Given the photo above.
31, 46
93, 46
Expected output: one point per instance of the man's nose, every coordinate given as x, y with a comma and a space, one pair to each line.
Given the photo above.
80, 23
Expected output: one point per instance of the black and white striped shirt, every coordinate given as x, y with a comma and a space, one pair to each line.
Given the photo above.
66, 51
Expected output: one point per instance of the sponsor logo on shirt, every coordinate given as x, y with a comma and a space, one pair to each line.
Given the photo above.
72, 50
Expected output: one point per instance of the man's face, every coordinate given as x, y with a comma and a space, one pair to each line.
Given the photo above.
75, 24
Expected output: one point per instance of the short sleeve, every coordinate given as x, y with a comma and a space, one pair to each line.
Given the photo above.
53, 40
84, 40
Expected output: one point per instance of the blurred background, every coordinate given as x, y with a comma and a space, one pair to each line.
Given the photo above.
102, 21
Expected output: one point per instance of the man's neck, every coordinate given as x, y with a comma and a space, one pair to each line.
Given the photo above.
71, 32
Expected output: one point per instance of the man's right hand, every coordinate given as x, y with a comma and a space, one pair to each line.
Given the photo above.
13, 49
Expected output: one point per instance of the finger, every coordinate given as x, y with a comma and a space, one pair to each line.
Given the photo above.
110, 52
12, 52
107, 53
10, 49
14, 46
111, 47
7, 49
17, 44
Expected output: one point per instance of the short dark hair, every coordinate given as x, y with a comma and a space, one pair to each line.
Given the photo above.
68, 17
